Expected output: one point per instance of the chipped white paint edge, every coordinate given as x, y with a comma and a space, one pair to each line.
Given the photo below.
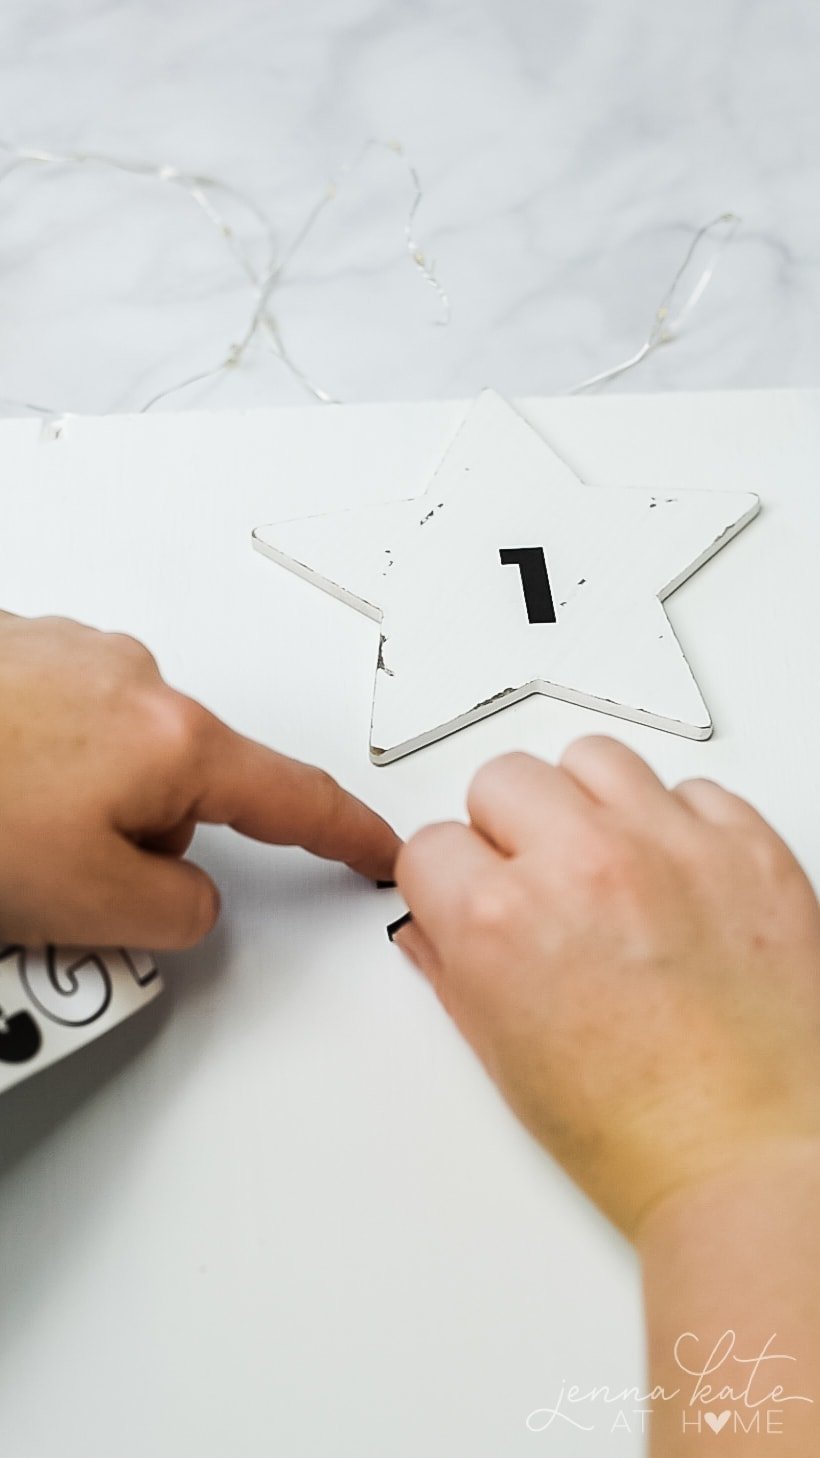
548, 690
300, 569
709, 552
351, 545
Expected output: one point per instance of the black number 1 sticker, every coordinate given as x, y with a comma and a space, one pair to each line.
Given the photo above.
535, 581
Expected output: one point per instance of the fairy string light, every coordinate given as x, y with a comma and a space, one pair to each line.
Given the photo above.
210, 194
670, 313
205, 191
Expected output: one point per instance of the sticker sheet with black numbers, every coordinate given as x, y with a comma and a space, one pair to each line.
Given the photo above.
54, 1000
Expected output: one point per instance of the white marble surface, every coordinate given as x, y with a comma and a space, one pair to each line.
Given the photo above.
566, 151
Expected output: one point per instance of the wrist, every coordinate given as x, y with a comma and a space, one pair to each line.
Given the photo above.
732, 1300
765, 1181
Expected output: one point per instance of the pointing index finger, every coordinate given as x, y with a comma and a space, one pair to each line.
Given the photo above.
269, 797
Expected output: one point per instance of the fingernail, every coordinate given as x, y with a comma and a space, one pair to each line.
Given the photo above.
385, 885
397, 925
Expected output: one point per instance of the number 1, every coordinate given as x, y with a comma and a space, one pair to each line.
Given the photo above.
535, 581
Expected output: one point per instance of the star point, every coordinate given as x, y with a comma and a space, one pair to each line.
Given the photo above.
508, 577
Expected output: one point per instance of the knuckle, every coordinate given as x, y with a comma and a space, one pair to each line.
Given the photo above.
174, 724
708, 795
772, 857
329, 794
328, 799
606, 859
696, 782
691, 794
587, 746
497, 770
130, 648
493, 905
592, 751
418, 848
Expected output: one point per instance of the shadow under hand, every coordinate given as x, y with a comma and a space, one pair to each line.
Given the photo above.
31, 1109
67, 1132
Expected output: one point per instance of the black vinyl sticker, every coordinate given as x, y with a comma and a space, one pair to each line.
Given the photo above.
535, 581
20, 1037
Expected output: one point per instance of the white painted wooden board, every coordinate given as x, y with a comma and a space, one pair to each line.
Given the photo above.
280, 1213
457, 641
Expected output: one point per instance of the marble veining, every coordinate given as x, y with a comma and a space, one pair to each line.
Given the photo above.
566, 154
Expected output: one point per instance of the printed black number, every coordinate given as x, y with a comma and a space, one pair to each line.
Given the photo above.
535, 581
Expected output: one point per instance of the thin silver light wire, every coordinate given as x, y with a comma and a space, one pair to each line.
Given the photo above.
200, 188
663, 330
666, 324
416, 253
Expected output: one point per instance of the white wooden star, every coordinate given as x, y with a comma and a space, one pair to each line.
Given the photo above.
510, 577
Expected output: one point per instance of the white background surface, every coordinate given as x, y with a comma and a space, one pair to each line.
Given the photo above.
282, 1214
566, 152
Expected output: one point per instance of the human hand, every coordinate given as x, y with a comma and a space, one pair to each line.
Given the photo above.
105, 772
637, 968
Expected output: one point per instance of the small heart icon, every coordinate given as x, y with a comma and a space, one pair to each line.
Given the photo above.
717, 1421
